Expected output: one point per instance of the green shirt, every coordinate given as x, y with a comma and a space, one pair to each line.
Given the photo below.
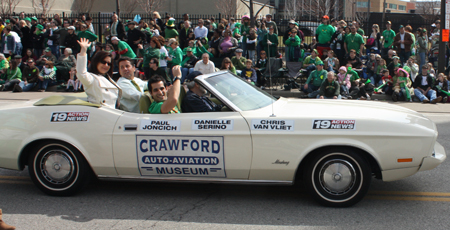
176, 55
388, 36
354, 42
309, 60
325, 33
148, 54
317, 77
123, 46
170, 33
13, 74
155, 108
239, 64
293, 42
354, 76
4, 64
360, 32
271, 50
194, 50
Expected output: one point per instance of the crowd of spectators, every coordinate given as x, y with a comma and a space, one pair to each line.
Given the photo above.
340, 61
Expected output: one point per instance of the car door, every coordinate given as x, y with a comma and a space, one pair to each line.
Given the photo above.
209, 146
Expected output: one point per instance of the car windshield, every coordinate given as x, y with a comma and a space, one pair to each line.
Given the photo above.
241, 93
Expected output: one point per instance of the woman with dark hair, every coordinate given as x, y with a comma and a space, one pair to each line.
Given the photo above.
98, 84
152, 51
227, 65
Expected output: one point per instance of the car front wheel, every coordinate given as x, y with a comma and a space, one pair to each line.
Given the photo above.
338, 177
58, 169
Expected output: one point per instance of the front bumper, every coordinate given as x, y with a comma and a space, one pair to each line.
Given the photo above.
431, 162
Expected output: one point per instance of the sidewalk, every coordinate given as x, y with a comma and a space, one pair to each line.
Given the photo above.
9, 97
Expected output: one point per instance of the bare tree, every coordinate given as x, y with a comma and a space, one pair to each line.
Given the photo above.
430, 9
227, 7
8, 6
42, 6
253, 15
149, 6
83, 6
318, 8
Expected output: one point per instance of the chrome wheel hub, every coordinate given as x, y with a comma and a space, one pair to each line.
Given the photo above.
337, 177
57, 166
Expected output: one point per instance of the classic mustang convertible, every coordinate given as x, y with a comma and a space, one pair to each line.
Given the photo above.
334, 147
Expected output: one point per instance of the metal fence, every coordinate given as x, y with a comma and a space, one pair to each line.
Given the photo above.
100, 20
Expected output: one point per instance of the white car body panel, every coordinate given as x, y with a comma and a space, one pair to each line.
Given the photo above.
384, 131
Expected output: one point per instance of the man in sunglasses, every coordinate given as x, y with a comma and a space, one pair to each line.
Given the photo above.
195, 100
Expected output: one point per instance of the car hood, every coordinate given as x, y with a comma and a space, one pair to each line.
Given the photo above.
371, 113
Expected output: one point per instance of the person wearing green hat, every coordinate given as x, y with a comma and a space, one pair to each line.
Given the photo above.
314, 81
237, 31
188, 63
170, 31
47, 56
38, 40
310, 62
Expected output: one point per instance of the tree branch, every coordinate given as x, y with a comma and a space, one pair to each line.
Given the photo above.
262, 7
245, 4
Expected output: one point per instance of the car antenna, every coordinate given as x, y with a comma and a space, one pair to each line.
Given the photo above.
270, 76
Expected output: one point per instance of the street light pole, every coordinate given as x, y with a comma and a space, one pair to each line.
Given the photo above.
441, 60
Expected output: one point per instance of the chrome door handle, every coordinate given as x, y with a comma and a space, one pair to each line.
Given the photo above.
130, 127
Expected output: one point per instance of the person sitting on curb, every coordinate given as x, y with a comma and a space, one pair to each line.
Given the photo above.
315, 80
330, 88
422, 87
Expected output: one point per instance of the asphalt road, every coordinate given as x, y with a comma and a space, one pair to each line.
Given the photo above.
421, 201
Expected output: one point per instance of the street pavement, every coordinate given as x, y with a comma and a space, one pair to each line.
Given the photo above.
421, 201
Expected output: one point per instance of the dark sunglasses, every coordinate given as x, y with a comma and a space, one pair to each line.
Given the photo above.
105, 63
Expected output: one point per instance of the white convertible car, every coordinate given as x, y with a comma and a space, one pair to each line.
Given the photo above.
334, 147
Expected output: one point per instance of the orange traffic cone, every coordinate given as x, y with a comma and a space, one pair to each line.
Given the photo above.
3, 225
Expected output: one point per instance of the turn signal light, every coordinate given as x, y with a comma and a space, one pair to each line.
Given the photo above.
402, 160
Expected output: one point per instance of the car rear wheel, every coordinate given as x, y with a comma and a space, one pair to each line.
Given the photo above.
338, 177
58, 169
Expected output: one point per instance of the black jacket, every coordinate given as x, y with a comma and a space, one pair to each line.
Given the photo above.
54, 37
193, 103
134, 35
120, 30
418, 82
183, 37
38, 41
26, 40
71, 42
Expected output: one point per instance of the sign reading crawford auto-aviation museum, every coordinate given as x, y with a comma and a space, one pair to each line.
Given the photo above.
193, 156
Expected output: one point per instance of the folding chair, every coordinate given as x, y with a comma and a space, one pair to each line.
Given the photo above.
293, 73
273, 71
